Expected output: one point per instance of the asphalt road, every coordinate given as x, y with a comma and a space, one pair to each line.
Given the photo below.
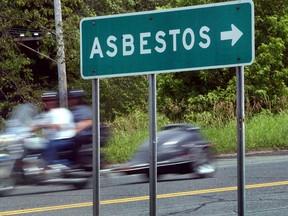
179, 195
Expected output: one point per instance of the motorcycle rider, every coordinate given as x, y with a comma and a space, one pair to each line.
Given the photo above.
83, 119
58, 126
82, 114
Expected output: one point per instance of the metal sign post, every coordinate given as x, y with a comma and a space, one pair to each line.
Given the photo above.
153, 145
96, 146
173, 40
240, 141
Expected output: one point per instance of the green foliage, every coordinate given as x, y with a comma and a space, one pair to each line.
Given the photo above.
108, 7
207, 98
184, 3
224, 137
128, 132
213, 92
15, 79
172, 92
26, 68
123, 95
264, 131
193, 95
267, 131
266, 83
37, 63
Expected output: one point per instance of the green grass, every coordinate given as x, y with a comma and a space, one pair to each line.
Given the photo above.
127, 134
224, 138
268, 132
262, 132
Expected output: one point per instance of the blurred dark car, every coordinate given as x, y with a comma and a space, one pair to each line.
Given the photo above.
181, 148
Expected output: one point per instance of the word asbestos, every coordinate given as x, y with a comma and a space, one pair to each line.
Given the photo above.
161, 40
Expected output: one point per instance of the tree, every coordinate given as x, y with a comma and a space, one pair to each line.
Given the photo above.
265, 80
109, 7
29, 67
120, 96
28, 62
14, 66
35, 69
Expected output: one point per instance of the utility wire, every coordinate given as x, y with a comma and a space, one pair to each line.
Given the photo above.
37, 52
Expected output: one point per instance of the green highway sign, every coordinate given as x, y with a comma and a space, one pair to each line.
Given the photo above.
181, 39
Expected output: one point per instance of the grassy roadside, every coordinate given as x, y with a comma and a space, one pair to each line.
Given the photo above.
127, 133
262, 132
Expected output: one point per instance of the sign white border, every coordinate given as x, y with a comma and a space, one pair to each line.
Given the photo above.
164, 11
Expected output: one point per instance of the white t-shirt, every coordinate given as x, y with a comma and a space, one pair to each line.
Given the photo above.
62, 117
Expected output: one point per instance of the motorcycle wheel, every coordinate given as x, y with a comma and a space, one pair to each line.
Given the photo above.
7, 185
204, 166
80, 185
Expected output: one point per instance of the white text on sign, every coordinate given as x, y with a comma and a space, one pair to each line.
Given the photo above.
187, 38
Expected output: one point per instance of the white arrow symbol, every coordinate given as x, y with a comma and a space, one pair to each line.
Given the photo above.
235, 34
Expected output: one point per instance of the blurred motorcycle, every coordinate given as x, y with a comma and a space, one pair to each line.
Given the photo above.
21, 161
181, 149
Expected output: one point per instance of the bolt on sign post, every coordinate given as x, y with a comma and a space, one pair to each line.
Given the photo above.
173, 40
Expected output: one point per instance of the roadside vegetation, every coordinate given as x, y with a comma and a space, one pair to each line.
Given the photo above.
207, 98
264, 132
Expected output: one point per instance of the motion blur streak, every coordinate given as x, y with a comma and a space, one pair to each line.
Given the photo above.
141, 198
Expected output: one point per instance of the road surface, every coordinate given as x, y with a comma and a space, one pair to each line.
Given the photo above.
179, 195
